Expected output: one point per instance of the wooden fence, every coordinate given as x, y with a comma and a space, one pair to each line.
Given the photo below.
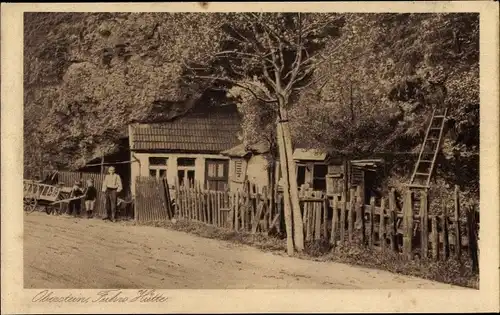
412, 231
379, 225
248, 210
152, 200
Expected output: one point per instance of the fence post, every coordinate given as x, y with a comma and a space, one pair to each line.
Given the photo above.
381, 227
408, 225
343, 206
473, 246
458, 238
424, 224
317, 211
138, 197
352, 208
325, 207
372, 218
236, 207
204, 207
446, 240
435, 238
393, 220
333, 235
309, 216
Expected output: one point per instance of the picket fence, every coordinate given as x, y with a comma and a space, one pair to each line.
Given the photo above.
380, 225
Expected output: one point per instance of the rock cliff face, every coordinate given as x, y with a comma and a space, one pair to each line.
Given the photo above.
87, 75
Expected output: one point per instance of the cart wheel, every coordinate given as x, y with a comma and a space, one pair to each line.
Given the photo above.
32, 205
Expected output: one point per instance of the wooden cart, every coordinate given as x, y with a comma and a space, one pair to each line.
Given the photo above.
37, 194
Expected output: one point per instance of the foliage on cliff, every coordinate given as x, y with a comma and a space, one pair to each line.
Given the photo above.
89, 74
388, 74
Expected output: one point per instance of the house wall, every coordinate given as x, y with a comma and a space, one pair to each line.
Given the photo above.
142, 168
255, 171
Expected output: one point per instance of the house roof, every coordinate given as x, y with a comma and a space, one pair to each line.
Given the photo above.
208, 132
241, 150
308, 155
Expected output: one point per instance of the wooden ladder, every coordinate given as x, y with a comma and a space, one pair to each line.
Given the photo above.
424, 167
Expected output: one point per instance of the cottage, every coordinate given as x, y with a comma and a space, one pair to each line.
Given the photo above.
248, 163
315, 168
187, 148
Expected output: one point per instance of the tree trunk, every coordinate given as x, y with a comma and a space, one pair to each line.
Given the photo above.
298, 228
286, 191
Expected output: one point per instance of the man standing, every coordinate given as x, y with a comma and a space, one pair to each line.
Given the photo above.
111, 186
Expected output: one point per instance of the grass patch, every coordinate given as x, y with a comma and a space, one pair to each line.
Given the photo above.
451, 271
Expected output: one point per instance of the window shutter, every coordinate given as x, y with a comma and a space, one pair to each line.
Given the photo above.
239, 170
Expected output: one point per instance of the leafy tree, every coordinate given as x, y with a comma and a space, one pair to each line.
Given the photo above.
272, 56
376, 96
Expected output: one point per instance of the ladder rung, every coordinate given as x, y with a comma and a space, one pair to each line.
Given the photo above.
433, 139
435, 128
423, 174
439, 116
425, 161
417, 186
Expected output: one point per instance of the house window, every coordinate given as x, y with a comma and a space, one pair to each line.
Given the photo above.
158, 167
186, 170
319, 176
301, 175
185, 162
217, 174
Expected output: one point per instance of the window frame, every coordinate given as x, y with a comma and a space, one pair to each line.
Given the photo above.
157, 167
185, 169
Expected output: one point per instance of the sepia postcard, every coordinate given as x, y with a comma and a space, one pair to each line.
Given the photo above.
209, 157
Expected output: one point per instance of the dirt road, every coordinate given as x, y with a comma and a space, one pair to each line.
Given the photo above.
63, 252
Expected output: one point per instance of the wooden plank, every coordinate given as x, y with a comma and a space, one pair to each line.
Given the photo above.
231, 210
256, 220
317, 227
371, 236
435, 238
393, 220
333, 235
408, 225
267, 208
424, 224
203, 204
242, 210
473, 244
360, 226
219, 206
177, 199
458, 237
325, 209
197, 205
381, 227
279, 210
215, 208
236, 208
343, 207
445, 235
350, 217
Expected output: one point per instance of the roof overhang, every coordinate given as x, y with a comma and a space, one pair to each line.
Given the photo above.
309, 155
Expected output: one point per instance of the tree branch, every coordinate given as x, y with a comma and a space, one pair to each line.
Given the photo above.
234, 82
